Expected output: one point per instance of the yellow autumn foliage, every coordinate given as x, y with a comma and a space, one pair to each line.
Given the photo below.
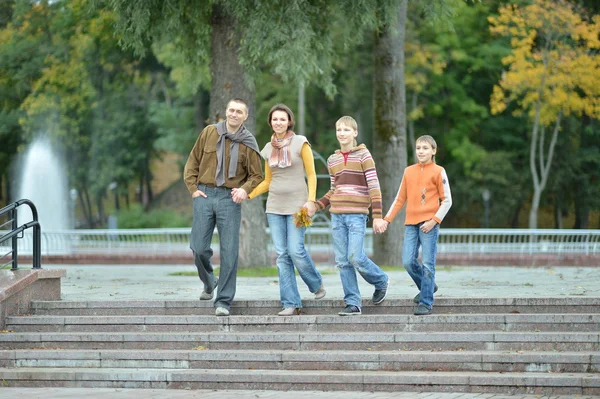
554, 63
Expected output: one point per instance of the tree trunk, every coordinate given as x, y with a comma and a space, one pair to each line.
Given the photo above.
537, 152
101, 214
148, 178
582, 214
411, 128
84, 201
8, 188
558, 219
229, 81
389, 141
199, 117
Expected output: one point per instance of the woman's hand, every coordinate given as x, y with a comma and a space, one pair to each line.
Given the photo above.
311, 207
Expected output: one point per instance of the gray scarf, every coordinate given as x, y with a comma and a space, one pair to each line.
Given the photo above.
242, 136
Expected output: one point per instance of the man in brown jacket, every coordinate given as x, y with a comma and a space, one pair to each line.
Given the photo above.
225, 156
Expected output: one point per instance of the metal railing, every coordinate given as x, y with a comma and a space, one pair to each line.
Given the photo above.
161, 242
33, 245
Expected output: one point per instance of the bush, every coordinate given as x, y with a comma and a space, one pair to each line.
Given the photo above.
136, 218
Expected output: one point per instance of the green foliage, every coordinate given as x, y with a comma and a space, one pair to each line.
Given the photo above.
188, 75
175, 127
137, 218
76, 72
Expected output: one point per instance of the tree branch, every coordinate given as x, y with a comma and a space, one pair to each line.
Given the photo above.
534, 136
546, 170
542, 147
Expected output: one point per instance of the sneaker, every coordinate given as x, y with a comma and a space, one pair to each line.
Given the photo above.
350, 310
208, 295
379, 295
422, 310
320, 292
221, 312
289, 312
417, 298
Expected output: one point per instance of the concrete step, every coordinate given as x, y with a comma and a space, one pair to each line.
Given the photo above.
508, 383
305, 323
375, 341
497, 361
484, 305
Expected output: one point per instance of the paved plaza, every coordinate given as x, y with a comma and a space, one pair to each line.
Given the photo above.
109, 393
154, 282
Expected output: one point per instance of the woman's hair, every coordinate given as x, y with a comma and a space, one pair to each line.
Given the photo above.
429, 140
350, 122
287, 110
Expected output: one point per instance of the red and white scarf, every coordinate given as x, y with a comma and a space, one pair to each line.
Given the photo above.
281, 156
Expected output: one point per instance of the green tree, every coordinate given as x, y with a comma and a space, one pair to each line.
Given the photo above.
23, 41
553, 71
389, 94
291, 39
89, 95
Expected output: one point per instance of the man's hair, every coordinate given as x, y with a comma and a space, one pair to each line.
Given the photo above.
238, 100
287, 110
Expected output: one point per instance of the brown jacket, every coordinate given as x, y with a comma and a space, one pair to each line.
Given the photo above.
201, 166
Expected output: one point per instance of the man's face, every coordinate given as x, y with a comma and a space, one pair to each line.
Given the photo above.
237, 113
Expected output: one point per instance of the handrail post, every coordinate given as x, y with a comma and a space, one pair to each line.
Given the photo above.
37, 246
15, 251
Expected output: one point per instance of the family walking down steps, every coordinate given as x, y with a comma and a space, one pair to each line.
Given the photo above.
224, 169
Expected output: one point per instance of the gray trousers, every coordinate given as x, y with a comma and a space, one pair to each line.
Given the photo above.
217, 209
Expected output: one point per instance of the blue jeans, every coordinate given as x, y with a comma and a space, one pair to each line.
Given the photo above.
348, 243
289, 247
422, 274
217, 209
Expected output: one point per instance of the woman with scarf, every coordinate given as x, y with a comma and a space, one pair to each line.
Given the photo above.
288, 159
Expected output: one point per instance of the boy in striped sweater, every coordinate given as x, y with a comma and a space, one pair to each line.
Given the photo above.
354, 188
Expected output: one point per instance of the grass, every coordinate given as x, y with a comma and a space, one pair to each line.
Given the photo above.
266, 271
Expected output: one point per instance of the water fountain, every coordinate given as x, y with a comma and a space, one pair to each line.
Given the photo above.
42, 179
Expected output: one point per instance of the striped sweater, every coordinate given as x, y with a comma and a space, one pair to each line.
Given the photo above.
354, 184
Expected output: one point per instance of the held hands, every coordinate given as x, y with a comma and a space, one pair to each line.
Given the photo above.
312, 208
238, 195
198, 193
428, 225
380, 226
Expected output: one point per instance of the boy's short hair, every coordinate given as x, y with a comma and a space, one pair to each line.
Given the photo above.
287, 110
429, 140
348, 121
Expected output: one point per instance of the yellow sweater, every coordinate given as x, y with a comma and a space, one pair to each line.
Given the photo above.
309, 168
426, 191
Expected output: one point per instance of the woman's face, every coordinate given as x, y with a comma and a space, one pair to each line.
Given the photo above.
280, 122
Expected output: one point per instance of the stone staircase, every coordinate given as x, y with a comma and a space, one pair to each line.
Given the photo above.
547, 346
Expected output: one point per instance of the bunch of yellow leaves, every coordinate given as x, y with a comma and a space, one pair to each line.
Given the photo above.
302, 218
